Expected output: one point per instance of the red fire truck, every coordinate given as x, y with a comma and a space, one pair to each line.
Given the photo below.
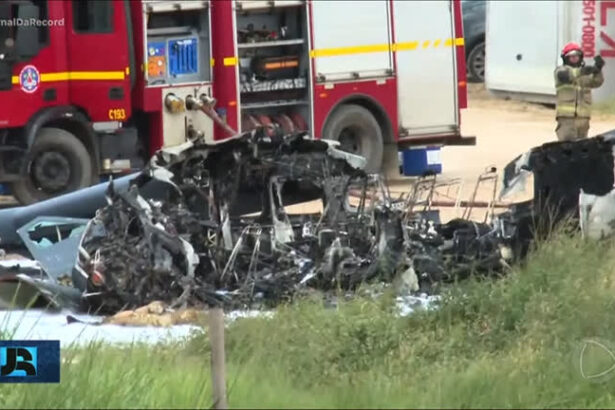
90, 88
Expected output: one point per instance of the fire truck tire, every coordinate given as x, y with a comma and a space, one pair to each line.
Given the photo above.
476, 62
54, 150
358, 132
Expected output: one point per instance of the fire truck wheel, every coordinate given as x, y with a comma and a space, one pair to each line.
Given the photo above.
358, 132
57, 163
476, 62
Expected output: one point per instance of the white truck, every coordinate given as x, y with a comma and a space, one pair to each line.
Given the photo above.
524, 40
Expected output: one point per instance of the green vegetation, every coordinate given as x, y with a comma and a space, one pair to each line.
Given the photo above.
510, 342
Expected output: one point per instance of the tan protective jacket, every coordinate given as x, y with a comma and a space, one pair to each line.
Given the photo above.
574, 99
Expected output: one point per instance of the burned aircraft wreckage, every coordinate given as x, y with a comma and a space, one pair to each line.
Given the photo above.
206, 224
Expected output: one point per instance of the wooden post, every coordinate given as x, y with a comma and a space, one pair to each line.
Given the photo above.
218, 373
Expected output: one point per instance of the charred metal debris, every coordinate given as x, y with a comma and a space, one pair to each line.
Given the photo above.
206, 224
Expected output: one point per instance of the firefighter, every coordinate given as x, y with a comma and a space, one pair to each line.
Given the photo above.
573, 82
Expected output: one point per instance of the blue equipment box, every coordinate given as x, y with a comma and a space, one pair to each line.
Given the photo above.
183, 56
421, 161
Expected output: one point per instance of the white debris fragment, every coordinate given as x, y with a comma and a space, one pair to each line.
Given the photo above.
597, 215
248, 314
22, 263
408, 304
517, 183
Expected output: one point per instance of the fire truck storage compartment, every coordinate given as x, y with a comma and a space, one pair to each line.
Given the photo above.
178, 45
274, 66
351, 27
430, 26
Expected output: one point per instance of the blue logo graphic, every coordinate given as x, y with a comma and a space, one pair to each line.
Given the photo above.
29, 361
18, 361
29, 78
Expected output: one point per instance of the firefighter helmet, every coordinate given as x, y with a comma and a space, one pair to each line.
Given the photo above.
571, 47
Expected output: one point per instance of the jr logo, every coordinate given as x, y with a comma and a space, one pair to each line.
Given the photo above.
18, 361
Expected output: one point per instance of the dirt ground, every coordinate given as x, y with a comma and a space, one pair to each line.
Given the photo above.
503, 129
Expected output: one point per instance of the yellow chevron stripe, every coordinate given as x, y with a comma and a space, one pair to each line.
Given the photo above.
379, 48
78, 75
405, 46
231, 61
228, 61
339, 51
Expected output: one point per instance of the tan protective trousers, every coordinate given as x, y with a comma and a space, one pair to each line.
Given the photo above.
570, 129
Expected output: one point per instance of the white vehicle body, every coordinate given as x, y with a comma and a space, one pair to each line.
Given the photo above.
524, 40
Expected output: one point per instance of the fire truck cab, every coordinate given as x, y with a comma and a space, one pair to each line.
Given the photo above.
91, 88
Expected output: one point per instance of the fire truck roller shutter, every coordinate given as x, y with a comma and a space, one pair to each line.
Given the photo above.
58, 162
358, 132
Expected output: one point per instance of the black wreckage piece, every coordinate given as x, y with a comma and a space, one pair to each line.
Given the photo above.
206, 225
560, 171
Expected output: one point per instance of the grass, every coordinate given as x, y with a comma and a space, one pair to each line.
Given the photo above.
512, 342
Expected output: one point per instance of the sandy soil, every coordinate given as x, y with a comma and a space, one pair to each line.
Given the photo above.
504, 129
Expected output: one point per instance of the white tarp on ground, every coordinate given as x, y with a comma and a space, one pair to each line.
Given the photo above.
41, 325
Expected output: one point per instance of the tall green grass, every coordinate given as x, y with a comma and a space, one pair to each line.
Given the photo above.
510, 342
